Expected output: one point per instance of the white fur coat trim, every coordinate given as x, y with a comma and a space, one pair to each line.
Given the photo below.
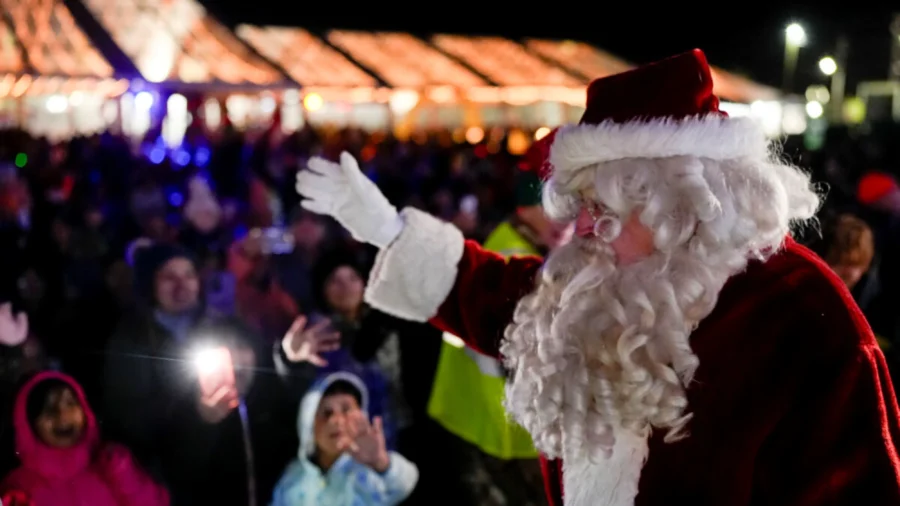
414, 274
613, 482
578, 146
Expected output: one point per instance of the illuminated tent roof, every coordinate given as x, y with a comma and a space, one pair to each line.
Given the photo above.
735, 88
176, 40
578, 57
403, 61
43, 51
504, 62
308, 60
10, 56
591, 63
53, 44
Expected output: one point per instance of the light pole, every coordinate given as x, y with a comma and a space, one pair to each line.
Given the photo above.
794, 39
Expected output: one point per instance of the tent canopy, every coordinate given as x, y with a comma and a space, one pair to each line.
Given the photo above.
583, 59
52, 42
403, 61
504, 62
592, 63
43, 51
177, 41
10, 55
306, 59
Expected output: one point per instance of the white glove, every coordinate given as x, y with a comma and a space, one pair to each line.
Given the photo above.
343, 192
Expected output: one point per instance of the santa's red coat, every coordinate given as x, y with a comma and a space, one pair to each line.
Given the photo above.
792, 402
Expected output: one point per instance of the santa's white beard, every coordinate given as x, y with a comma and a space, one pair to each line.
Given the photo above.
600, 354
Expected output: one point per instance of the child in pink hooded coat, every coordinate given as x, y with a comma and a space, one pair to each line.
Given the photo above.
64, 463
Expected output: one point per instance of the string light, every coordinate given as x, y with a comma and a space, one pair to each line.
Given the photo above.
313, 102
474, 135
56, 104
517, 142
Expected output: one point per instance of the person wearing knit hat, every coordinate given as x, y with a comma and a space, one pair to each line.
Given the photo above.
179, 290
879, 190
682, 348
157, 400
530, 231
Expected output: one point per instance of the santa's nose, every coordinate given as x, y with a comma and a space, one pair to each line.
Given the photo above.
584, 223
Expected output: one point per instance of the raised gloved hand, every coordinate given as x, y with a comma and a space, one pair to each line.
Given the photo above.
343, 192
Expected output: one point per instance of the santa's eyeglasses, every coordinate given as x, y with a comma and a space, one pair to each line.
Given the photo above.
607, 224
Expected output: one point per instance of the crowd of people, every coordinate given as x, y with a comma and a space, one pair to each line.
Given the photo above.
126, 268
122, 268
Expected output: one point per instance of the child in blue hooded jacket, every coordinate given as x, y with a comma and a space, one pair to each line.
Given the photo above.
343, 460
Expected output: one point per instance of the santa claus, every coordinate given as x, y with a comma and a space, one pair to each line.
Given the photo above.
682, 349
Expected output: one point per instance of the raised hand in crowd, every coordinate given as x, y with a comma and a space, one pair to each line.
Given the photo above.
365, 443
216, 406
13, 328
306, 344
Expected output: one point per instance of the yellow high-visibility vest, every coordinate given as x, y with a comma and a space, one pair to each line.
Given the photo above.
467, 397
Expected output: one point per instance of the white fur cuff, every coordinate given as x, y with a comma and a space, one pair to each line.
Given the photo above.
578, 146
416, 272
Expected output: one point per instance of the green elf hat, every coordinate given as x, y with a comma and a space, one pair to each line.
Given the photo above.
534, 167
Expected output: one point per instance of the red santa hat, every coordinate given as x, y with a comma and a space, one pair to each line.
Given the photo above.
658, 110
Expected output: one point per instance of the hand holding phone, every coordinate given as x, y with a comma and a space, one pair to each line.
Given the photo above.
218, 388
215, 408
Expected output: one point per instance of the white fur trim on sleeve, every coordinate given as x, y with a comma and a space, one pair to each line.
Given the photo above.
720, 138
416, 272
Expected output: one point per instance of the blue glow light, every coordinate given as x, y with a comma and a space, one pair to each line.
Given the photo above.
176, 199
201, 157
157, 155
240, 231
181, 157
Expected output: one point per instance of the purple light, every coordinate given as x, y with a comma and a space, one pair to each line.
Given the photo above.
176, 199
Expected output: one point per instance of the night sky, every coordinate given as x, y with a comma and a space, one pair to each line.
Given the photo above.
742, 36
